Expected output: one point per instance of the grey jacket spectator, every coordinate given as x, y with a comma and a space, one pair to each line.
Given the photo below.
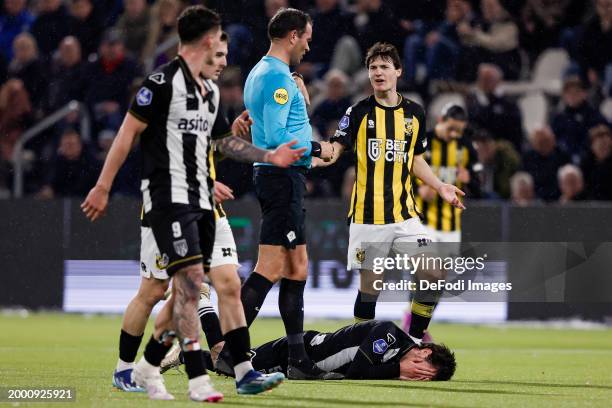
571, 184
499, 160
134, 25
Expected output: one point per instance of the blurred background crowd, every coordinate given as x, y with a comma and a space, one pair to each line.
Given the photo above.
534, 75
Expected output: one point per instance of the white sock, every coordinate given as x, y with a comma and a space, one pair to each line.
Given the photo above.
198, 381
242, 369
146, 367
122, 365
416, 340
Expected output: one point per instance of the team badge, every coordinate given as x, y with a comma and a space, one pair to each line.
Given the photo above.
161, 261
360, 255
281, 96
408, 126
144, 96
180, 247
158, 78
344, 122
380, 346
374, 150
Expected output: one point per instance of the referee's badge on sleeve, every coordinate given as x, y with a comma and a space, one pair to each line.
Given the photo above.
281, 96
144, 96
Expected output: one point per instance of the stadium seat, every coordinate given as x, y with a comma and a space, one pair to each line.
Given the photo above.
606, 109
413, 96
534, 109
438, 102
548, 70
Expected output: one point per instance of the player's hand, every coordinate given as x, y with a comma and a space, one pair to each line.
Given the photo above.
463, 175
241, 126
222, 192
327, 151
449, 193
427, 193
416, 370
96, 202
284, 155
302, 87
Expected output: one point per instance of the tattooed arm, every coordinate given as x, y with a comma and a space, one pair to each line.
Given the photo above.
243, 151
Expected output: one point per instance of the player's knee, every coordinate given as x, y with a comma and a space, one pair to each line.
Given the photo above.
152, 291
229, 287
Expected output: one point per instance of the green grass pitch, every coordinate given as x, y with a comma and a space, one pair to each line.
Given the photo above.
497, 367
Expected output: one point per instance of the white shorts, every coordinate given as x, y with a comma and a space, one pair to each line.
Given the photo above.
152, 263
443, 236
387, 237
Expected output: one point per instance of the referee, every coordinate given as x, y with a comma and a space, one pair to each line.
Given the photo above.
278, 109
386, 133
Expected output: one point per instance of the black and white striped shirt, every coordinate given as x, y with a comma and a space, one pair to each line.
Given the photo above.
177, 141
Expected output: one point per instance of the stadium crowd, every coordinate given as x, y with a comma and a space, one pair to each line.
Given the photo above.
469, 51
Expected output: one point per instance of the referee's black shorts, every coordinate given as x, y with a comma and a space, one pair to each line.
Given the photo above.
184, 234
281, 196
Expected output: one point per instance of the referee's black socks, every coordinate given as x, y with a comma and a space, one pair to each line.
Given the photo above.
253, 293
291, 306
365, 306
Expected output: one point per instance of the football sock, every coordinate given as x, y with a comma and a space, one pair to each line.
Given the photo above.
239, 345
253, 294
156, 350
194, 359
365, 306
422, 309
210, 324
128, 348
291, 306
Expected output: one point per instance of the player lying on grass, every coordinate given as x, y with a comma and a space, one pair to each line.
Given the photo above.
365, 351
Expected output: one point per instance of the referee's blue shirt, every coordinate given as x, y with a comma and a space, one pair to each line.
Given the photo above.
277, 107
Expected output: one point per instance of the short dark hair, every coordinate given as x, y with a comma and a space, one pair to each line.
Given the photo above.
224, 37
443, 359
286, 20
454, 111
195, 21
384, 50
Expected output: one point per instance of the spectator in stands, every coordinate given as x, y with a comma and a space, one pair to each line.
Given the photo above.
541, 24
85, 25
542, 161
164, 15
577, 116
490, 109
440, 48
332, 24
595, 46
27, 66
15, 20
73, 172
571, 184
66, 78
348, 181
522, 189
597, 165
50, 26
230, 87
334, 105
108, 81
376, 22
500, 161
15, 116
135, 24
496, 40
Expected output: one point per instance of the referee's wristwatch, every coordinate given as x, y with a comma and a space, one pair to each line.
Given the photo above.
316, 149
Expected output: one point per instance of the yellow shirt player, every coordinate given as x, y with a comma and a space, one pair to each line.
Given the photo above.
386, 133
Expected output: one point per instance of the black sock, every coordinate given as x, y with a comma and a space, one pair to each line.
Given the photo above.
239, 344
253, 294
195, 365
207, 358
422, 307
210, 325
291, 306
365, 306
156, 350
128, 346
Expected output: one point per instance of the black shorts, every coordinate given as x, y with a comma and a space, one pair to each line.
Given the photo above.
281, 195
184, 234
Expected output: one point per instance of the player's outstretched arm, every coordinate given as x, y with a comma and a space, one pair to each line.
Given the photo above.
447, 192
241, 150
96, 202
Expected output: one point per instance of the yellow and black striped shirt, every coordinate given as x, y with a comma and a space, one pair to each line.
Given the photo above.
212, 165
384, 141
445, 158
